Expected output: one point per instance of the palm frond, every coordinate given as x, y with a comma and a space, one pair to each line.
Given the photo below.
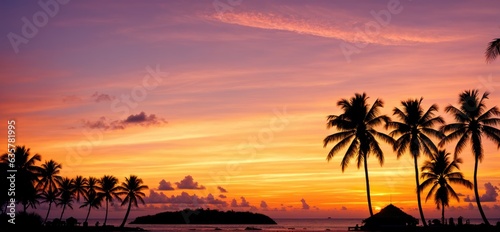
350, 153
493, 50
340, 145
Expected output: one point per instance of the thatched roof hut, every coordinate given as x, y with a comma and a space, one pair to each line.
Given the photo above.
389, 217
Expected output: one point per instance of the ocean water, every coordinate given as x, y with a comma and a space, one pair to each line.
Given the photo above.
284, 224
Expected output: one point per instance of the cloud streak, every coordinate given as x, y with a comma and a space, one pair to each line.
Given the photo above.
347, 32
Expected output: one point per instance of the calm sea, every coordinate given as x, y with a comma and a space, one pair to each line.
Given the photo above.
335, 225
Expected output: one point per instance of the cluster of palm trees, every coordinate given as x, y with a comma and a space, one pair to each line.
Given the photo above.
44, 184
415, 133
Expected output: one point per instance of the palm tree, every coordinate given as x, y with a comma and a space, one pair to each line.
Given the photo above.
49, 176
66, 188
79, 187
26, 175
132, 190
473, 121
92, 200
439, 172
356, 130
493, 50
91, 186
414, 128
50, 197
108, 187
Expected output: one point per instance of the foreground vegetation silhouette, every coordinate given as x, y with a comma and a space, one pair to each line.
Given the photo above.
356, 130
439, 173
413, 133
44, 184
414, 130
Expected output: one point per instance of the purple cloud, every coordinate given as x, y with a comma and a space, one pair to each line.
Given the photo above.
101, 97
144, 119
166, 186
263, 205
141, 119
221, 189
188, 183
489, 196
304, 204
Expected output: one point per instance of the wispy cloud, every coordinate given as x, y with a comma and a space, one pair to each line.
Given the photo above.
349, 32
101, 97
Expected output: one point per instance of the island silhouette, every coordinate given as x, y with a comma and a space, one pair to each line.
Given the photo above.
204, 216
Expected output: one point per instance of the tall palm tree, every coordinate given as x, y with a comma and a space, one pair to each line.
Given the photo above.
473, 121
356, 130
132, 190
49, 196
92, 200
414, 128
493, 50
439, 172
49, 176
26, 175
79, 187
66, 188
109, 191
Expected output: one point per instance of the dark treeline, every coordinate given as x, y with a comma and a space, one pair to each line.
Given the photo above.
417, 131
42, 183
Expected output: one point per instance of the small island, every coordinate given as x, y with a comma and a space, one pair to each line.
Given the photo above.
204, 216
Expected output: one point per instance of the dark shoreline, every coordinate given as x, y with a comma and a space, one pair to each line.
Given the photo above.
435, 228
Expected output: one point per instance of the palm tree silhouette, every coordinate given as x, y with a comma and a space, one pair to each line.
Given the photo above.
439, 172
50, 196
92, 185
66, 189
493, 50
473, 121
109, 189
356, 126
414, 128
92, 200
79, 184
49, 176
132, 190
26, 176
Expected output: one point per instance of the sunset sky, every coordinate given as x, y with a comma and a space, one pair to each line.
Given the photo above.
230, 102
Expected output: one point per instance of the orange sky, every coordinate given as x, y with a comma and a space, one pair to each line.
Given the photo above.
239, 98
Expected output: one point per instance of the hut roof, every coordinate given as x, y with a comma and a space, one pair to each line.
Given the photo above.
390, 215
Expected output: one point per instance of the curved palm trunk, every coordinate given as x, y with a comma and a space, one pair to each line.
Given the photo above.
368, 187
48, 211
126, 214
88, 213
62, 212
106, 217
418, 192
476, 193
